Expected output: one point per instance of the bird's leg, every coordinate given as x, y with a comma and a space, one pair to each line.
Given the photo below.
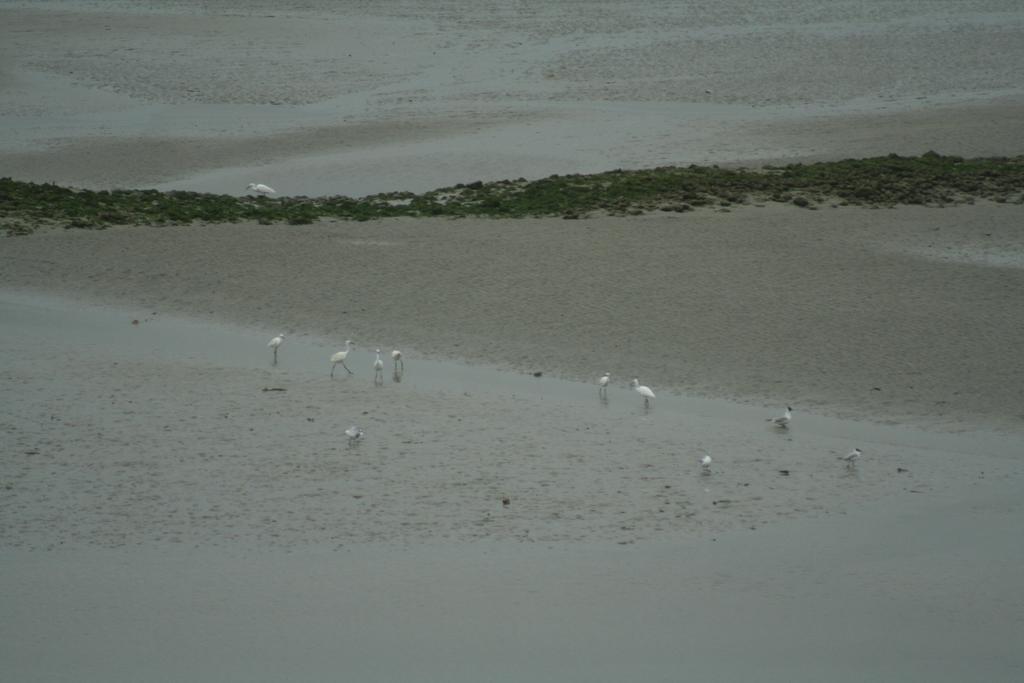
333, 365
346, 367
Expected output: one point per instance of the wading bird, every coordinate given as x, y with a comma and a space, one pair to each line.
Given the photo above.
354, 434
782, 421
378, 370
643, 391
851, 457
340, 357
274, 343
396, 358
602, 384
261, 189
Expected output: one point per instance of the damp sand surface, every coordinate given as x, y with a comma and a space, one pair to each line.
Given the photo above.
889, 315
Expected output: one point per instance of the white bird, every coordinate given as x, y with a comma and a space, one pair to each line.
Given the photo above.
643, 391
782, 421
705, 464
261, 189
851, 457
274, 343
602, 383
378, 370
340, 357
396, 357
354, 434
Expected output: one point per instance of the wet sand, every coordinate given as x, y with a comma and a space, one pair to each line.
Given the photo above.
891, 315
163, 517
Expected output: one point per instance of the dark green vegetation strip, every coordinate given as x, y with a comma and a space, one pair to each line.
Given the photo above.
930, 179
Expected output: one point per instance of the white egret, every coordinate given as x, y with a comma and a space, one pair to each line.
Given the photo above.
782, 421
602, 383
340, 357
354, 434
261, 189
851, 457
643, 391
705, 464
396, 358
274, 343
378, 370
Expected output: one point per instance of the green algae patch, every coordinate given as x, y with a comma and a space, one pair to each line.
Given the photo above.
928, 180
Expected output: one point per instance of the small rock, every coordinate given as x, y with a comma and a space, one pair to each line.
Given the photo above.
506, 501
784, 473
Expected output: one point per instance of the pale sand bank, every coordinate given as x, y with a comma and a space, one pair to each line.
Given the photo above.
885, 314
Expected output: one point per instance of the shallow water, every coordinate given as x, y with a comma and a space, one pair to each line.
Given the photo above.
881, 594
211, 96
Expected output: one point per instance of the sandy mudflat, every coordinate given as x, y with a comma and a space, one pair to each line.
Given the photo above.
163, 517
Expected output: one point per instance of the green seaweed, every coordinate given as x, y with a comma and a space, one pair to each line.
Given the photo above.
928, 180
